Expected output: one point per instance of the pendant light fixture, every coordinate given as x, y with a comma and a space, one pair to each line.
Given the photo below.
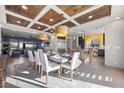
62, 31
43, 36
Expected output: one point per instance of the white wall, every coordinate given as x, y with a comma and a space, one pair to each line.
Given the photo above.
114, 42
0, 41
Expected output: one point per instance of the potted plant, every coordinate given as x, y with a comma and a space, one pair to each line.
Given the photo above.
6, 48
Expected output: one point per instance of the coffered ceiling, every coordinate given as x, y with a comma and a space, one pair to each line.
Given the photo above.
46, 18
38, 27
73, 9
51, 30
29, 11
17, 21
69, 24
51, 17
93, 15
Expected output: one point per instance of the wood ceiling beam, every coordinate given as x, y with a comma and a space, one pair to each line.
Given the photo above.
86, 11
40, 14
57, 9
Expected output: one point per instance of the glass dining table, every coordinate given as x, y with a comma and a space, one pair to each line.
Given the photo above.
58, 59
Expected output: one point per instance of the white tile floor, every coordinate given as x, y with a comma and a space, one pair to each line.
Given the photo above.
53, 83
90, 75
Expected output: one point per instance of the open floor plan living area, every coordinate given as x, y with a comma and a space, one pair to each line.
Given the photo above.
61, 46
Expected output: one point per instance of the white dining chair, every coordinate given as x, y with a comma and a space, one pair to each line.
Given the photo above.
48, 66
31, 57
73, 64
39, 50
38, 60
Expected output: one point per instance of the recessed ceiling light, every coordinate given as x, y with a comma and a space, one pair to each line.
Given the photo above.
117, 18
90, 17
24, 7
51, 19
38, 27
18, 22
51, 31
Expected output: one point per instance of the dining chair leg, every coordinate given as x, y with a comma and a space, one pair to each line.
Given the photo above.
77, 71
71, 74
47, 74
41, 71
59, 72
39, 68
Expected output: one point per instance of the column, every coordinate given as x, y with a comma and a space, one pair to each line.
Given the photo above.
0, 41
